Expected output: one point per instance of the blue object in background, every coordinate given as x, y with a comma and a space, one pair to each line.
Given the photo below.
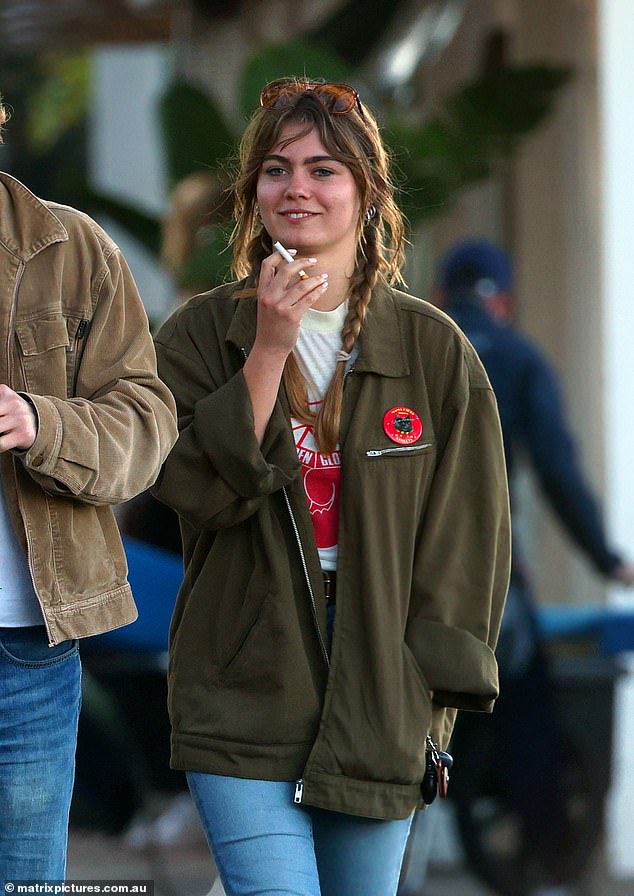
617, 632
155, 575
612, 629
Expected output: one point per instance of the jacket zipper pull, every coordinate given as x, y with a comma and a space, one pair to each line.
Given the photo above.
299, 791
82, 326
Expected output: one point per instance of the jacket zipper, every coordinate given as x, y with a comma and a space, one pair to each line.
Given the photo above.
80, 332
81, 329
75, 354
299, 785
298, 796
313, 602
302, 556
14, 301
299, 791
405, 449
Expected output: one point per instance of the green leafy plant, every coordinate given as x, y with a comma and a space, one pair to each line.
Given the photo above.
58, 102
478, 126
47, 95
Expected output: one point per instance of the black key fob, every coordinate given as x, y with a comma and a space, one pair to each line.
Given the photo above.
429, 785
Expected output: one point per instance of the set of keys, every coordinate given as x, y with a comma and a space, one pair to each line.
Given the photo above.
436, 778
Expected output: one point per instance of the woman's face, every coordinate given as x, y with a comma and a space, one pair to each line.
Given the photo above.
308, 200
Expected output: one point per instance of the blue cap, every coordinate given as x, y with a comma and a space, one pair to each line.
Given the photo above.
472, 260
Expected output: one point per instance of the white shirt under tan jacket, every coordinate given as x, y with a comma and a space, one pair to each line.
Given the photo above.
18, 603
76, 342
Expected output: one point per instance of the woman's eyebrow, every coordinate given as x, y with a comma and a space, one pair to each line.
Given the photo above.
312, 159
308, 161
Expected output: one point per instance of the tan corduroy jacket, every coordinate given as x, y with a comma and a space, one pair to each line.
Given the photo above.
75, 340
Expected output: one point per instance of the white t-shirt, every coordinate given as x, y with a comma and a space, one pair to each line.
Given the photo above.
19, 605
316, 353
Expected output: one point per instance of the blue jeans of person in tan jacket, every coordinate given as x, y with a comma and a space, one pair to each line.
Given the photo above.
40, 686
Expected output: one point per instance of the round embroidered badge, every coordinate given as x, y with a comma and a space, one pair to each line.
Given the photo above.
402, 425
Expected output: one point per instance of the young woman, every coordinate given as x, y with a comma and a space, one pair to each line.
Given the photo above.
340, 482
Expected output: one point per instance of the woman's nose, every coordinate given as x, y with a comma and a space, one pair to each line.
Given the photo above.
298, 186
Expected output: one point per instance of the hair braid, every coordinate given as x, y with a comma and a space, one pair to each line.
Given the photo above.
257, 250
328, 418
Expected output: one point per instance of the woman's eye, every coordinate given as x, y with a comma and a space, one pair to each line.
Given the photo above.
275, 171
322, 172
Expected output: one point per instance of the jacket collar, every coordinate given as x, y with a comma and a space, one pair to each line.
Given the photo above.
27, 225
381, 343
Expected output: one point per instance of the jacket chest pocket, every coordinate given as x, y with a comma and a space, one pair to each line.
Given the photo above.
400, 450
47, 349
398, 476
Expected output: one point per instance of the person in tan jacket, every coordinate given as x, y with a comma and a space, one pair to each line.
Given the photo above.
85, 423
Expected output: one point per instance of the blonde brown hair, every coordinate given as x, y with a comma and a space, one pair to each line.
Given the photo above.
353, 139
4, 116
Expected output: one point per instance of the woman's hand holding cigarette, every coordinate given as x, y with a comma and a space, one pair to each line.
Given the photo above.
286, 255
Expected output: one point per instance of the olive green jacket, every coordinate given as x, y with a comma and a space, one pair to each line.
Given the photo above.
75, 340
422, 569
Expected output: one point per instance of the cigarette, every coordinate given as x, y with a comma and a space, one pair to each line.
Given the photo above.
286, 255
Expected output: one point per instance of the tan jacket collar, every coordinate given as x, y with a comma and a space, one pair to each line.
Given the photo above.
27, 225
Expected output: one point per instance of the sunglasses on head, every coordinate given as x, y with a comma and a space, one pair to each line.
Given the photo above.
337, 99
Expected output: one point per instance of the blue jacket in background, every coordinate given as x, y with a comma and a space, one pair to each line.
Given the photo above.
534, 421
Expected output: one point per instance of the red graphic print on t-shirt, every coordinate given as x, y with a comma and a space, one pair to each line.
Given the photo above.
321, 474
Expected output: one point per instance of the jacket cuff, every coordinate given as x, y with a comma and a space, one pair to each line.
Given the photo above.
43, 454
459, 669
225, 430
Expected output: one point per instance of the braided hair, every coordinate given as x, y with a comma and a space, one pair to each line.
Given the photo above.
354, 140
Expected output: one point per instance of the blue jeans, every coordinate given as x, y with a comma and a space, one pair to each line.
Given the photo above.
40, 696
265, 845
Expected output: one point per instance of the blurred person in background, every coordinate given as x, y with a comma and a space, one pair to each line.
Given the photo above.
85, 423
345, 570
476, 290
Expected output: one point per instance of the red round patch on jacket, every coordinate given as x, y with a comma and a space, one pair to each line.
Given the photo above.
402, 425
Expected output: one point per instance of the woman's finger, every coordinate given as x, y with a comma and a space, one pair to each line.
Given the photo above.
309, 291
295, 268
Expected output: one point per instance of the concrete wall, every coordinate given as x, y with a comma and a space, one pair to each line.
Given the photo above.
125, 151
545, 207
616, 78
